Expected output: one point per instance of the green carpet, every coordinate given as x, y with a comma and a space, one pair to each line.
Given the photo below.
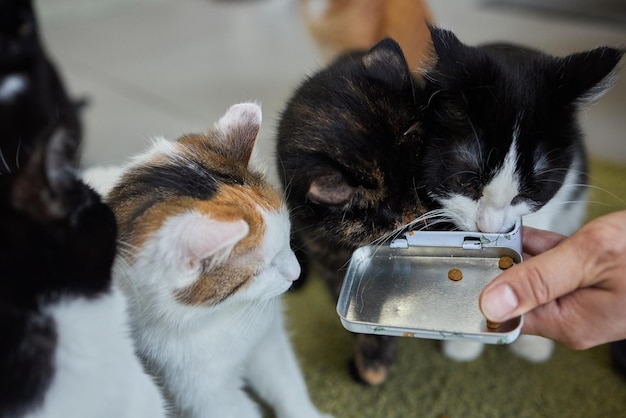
425, 384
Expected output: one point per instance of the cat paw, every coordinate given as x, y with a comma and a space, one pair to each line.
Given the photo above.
373, 357
371, 374
533, 348
462, 350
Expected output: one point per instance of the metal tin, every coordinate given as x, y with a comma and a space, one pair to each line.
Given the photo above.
403, 289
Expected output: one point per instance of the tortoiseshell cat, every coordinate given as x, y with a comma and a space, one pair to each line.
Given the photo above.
65, 349
492, 136
32, 94
348, 150
204, 257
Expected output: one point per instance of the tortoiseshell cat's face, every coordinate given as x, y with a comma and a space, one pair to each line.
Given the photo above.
348, 149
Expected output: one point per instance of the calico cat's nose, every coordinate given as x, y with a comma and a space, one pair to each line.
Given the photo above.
290, 268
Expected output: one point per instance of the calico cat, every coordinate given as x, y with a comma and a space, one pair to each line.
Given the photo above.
65, 351
32, 94
204, 257
490, 137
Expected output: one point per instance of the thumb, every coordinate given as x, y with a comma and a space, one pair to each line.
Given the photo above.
532, 283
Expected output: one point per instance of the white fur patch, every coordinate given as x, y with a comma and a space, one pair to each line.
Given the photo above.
102, 178
494, 212
11, 86
559, 214
97, 374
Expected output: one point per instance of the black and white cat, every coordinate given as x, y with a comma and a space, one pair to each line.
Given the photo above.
32, 94
65, 347
492, 136
503, 142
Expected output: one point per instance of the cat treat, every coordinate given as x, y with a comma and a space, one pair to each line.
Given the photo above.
493, 325
505, 262
455, 274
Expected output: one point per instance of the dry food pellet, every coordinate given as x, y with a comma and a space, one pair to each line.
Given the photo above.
505, 262
493, 325
455, 274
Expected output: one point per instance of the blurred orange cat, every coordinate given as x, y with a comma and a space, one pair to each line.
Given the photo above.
338, 26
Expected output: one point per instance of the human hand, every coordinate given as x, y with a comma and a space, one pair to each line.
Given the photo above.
570, 289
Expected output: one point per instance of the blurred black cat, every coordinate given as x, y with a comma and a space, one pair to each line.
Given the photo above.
32, 94
491, 137
65, 348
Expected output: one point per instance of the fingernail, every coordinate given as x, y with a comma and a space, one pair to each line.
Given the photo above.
499, 303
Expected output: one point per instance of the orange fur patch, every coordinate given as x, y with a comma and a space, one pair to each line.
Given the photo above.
359, 24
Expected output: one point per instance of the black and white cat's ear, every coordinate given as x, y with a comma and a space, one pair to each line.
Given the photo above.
208, 242
447, 46
330, 189
44, 182
386, 62
584, 77
240, 127
452, 60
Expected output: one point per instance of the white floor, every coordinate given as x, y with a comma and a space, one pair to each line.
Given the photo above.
153, 67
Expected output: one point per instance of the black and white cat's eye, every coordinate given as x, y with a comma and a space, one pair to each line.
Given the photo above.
470, 185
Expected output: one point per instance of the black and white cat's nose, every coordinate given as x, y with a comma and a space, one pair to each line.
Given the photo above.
493, 221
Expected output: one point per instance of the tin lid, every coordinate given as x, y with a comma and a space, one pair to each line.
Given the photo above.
404, 290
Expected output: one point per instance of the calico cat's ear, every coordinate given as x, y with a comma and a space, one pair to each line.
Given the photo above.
205, 240
239, 127
43, 184
585, 76
386, 62
330, 189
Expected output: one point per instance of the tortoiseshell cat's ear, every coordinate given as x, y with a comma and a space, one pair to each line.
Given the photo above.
43, 186
585, 76
386, 62
331, 189
240, 126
